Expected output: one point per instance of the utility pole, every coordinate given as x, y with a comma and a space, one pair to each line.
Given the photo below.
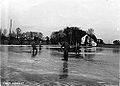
10, 27
10, 31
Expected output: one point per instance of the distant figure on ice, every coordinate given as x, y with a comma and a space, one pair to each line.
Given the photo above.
47, 40
34, 49
40, 45
77, 49
66, 50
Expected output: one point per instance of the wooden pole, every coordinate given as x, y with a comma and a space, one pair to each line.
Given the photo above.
10, 31
10, 26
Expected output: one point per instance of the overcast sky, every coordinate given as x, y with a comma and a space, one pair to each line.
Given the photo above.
47, 16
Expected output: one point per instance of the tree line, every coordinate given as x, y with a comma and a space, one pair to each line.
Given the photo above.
18, 37
72, 35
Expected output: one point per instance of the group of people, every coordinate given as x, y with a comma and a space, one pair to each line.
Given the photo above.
34, 47
88, 40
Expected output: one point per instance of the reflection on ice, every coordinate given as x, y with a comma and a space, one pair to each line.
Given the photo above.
103, 64
116, 50
64, 73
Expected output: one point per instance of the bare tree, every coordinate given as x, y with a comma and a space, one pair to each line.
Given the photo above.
4, 32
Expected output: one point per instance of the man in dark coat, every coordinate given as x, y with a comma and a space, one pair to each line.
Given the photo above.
34, 49
66, 50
